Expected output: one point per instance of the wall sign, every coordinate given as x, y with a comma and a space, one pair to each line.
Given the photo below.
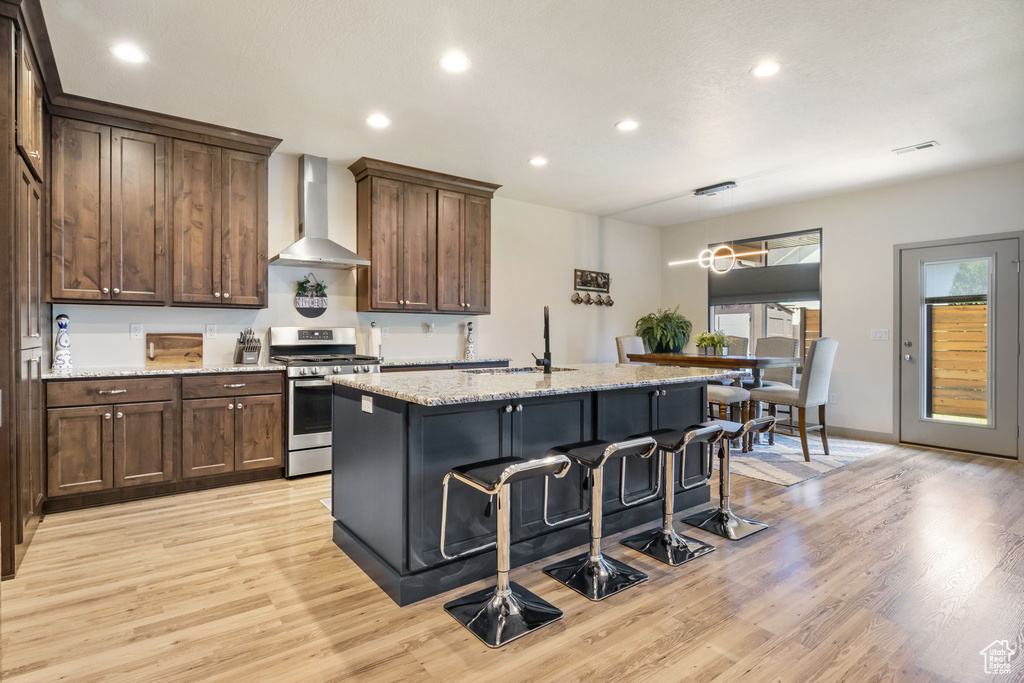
311, 297
592, 281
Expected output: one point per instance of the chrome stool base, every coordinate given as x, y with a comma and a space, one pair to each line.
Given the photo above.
725, 523
595, 579
499, 619
669, 547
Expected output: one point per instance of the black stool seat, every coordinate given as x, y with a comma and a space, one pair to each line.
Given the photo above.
491, 475
673, 440
730, 430
595, 453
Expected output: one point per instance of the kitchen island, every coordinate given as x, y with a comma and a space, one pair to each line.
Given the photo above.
397, 435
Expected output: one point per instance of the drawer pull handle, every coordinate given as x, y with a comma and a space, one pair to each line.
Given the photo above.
112, 391
234, 386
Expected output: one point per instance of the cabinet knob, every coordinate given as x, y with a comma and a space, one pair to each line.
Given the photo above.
402, 301
664, 393
106, 290
106, 416
116, 290
508, 409
216, 295
231, 406
119, 415
227, 295
239, 406
519, 407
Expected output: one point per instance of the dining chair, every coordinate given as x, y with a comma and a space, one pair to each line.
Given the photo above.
813, 392
627, 345
777, 347
737, 345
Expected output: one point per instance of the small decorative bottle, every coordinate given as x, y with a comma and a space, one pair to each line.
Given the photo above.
62, 346
470, 342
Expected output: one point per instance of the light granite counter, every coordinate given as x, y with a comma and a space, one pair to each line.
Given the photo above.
410, 362
135, 371
448, 387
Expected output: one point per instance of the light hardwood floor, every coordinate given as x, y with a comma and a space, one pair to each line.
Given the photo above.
901, 567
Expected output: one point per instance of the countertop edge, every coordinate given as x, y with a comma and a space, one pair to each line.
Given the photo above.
100, 373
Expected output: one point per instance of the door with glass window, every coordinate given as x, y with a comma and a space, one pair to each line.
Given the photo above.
959, 346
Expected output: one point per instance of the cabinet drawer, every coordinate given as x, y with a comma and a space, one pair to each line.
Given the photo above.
105, 391
245, 384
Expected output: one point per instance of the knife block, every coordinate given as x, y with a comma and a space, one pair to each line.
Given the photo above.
243, 357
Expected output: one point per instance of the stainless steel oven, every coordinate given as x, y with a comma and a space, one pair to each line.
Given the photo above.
309, 415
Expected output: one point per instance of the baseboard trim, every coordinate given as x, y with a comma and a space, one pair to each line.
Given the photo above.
862, 435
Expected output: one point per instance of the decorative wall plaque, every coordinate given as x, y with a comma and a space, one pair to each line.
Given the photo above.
592, 281
311, 297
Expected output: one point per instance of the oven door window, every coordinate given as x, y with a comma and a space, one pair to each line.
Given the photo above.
311, 407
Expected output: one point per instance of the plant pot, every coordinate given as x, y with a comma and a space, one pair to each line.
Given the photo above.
666, 348
714, 350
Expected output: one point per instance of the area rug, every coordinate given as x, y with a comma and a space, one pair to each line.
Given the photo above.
326, 502
784, 462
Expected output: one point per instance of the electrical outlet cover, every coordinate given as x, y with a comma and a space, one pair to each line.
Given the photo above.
136, 330
211, 331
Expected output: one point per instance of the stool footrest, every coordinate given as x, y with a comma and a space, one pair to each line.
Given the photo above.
595, 579
669, 547
498, 619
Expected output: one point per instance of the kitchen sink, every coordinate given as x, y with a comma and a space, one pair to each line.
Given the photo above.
516, 371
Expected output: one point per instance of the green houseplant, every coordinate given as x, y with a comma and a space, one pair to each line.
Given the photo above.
664, 331
713, 343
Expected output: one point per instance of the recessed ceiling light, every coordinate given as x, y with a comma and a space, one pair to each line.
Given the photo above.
538, 161
628, 124
378, 121
129, 53
455, 62
765, 69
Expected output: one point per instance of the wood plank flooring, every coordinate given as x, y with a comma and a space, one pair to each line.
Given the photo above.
899, 568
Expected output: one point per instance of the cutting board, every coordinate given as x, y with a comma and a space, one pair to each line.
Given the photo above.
177, 350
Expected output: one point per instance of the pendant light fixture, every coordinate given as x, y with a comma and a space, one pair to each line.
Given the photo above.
709, 258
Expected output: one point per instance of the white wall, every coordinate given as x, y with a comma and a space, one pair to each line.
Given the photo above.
534, 251
859, 230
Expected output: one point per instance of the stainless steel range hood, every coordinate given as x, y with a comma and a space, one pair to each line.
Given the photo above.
313, 248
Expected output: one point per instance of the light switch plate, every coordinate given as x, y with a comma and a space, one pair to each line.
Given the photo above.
832, 398
211, 331
383, 333
367, 404
879, 335
136, 330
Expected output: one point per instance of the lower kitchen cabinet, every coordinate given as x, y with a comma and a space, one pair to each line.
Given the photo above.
207, 436
81, 450
258, 435
143, 443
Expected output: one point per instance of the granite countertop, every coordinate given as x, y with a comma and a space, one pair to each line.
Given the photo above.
448, 387
136, 371
408, 362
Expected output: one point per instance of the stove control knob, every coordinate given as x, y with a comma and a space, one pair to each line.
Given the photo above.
302, 371
314, 371
366, 368
337, 369
356, 368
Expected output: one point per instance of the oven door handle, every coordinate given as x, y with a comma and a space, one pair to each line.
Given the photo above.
311, 383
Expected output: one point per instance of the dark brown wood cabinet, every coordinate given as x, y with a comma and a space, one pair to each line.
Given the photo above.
208, 436
220, 226
28, 221
427, 236
143, 443
258, 432
29, 137
81, 449
30, 447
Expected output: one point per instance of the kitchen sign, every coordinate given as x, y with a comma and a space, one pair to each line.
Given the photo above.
311, 297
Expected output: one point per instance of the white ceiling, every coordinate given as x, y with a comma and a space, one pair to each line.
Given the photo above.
552, 77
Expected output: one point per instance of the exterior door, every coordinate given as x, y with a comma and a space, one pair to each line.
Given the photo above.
959, 346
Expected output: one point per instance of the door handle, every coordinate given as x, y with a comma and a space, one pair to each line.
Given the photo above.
908, 357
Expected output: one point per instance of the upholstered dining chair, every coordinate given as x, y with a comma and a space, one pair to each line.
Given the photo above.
627, 345
776, 347
737, 345
813, 392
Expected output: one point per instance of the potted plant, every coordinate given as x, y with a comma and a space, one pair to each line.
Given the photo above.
713, 343
664, 331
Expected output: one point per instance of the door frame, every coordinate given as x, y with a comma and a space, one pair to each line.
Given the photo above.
897, 385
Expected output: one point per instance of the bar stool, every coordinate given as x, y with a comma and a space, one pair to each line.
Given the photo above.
664, 543
501, 614
724, 521
592, 574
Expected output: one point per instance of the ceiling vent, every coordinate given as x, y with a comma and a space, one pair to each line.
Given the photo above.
916, 148
714, 189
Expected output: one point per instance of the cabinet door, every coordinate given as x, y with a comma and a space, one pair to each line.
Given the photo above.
80, 450
80, 208
30, 438
196, 172
30, 110
621, 414
419, 233
207, 436
243, 229
476, 256
451, 215
386, 247
258, 439
28, 221
143, 443
681, 407
138, 216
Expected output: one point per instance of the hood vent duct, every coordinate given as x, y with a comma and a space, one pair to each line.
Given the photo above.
313, 248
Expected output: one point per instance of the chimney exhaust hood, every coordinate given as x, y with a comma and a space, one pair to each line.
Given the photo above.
313, 248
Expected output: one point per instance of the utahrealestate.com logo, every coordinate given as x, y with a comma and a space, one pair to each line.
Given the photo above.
998, 657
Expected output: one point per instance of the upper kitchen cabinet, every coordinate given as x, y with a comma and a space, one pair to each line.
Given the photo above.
28, 209
220, 226
29, 137
109, 205
427, 236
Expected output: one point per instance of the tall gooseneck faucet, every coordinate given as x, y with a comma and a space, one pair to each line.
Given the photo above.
545, 362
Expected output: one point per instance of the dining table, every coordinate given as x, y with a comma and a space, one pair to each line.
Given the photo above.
756, 364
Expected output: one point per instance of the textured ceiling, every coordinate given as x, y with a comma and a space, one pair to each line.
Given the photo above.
552, 77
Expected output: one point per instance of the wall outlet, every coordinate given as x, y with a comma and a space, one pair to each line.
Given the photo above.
832, 398
383, 333
367, 404
430, 329
211, 331
136, 330
879, 335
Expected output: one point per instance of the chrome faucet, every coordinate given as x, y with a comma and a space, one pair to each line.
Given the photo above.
545, 362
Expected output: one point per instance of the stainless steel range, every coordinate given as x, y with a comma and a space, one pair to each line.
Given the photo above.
310, 354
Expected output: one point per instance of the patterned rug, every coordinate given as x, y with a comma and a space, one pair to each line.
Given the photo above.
784, 462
